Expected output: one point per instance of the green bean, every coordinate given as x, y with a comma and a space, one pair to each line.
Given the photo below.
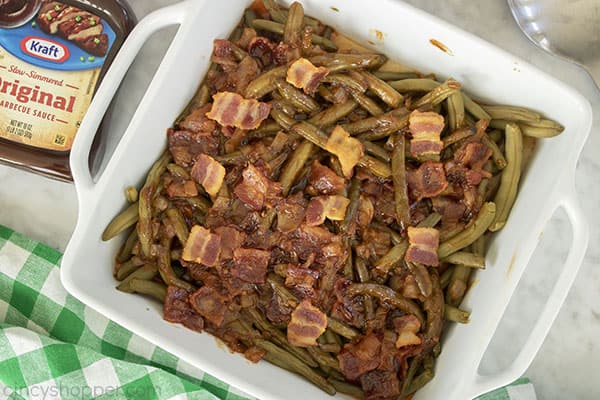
347, 81
278, 337
414, 85
293, 24
476, 228
478, 246
325, 360
450, 232
146, 271
280, 15
475, 109
376, 150
455, 314
375, 166
282, 118
434, 308
457, 287
456, 111
394, 76
439, 94
150, 288
144, 226
421, 380
341, 62
400, 183
387, 123
415, 363
165, 269
386, 295
391, 258
347, 388
281, 290
496, 135
127, 248
131, 194
265, 82
430, 221
121, 222
457, 136
231, 158
330, 347
249, 16
497, 155
539, 132
543, 128
201, 97
199, 203
342, 329
352, 209
296, 365
181, 229
267, 128
178, 171
275, 27
512, 113
465, 258
509, 182
296, 97
126, 268
445, 277
395, 236
367, 103
294, 165
332, 114
422, 278
382, 89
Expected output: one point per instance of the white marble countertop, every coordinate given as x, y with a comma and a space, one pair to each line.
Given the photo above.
566, 366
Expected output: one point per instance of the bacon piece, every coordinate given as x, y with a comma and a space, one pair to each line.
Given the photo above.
256, 189
407, 327
222, 54
304, 75
209, 173
262, 49
306, 325
321, 207
250, 265
197, 121
425, 128
374, 244
231, 240
360, 357
428, 180
246, 39
473, 155
209, 303
348, 149
254, 354
185, 188
451, 210
380, 385
423, 246
291, 212
278, 311
322, 180
231, 109
301, 280
185, 146
202, 247
178, 309
365, 211
410, 288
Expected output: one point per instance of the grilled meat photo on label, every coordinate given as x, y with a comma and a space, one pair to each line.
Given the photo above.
74, 24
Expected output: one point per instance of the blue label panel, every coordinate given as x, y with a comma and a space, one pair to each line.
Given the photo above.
74, 58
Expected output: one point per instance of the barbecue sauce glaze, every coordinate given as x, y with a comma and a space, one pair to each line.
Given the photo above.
53, 55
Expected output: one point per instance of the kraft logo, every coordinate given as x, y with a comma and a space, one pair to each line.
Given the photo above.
45, 49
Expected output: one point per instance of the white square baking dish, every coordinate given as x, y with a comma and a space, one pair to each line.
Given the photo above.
486, 72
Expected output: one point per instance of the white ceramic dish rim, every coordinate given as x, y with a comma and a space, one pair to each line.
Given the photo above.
561, 194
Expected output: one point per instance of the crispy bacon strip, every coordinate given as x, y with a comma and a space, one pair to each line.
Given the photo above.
323, 180
423, 246
250, 265
473, 155
348, 149
209, 173
255, 188
231, 240
425, 128
321, 207
231, 109
360, 357
209, 303
186, 188
429, 180
306, 325
304, 75
202, 247
407, 327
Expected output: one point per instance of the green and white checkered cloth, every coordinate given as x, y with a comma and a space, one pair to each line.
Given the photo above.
54, 347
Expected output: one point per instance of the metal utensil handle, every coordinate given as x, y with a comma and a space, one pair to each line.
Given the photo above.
153, 22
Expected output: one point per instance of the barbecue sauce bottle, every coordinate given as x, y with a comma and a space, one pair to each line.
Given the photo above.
53, 55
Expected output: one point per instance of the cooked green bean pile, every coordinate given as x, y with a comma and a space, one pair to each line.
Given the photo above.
323, 208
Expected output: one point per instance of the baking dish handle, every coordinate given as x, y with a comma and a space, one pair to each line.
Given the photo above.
484, 383
153, 22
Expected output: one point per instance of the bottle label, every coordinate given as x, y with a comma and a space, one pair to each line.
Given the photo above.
50, 61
